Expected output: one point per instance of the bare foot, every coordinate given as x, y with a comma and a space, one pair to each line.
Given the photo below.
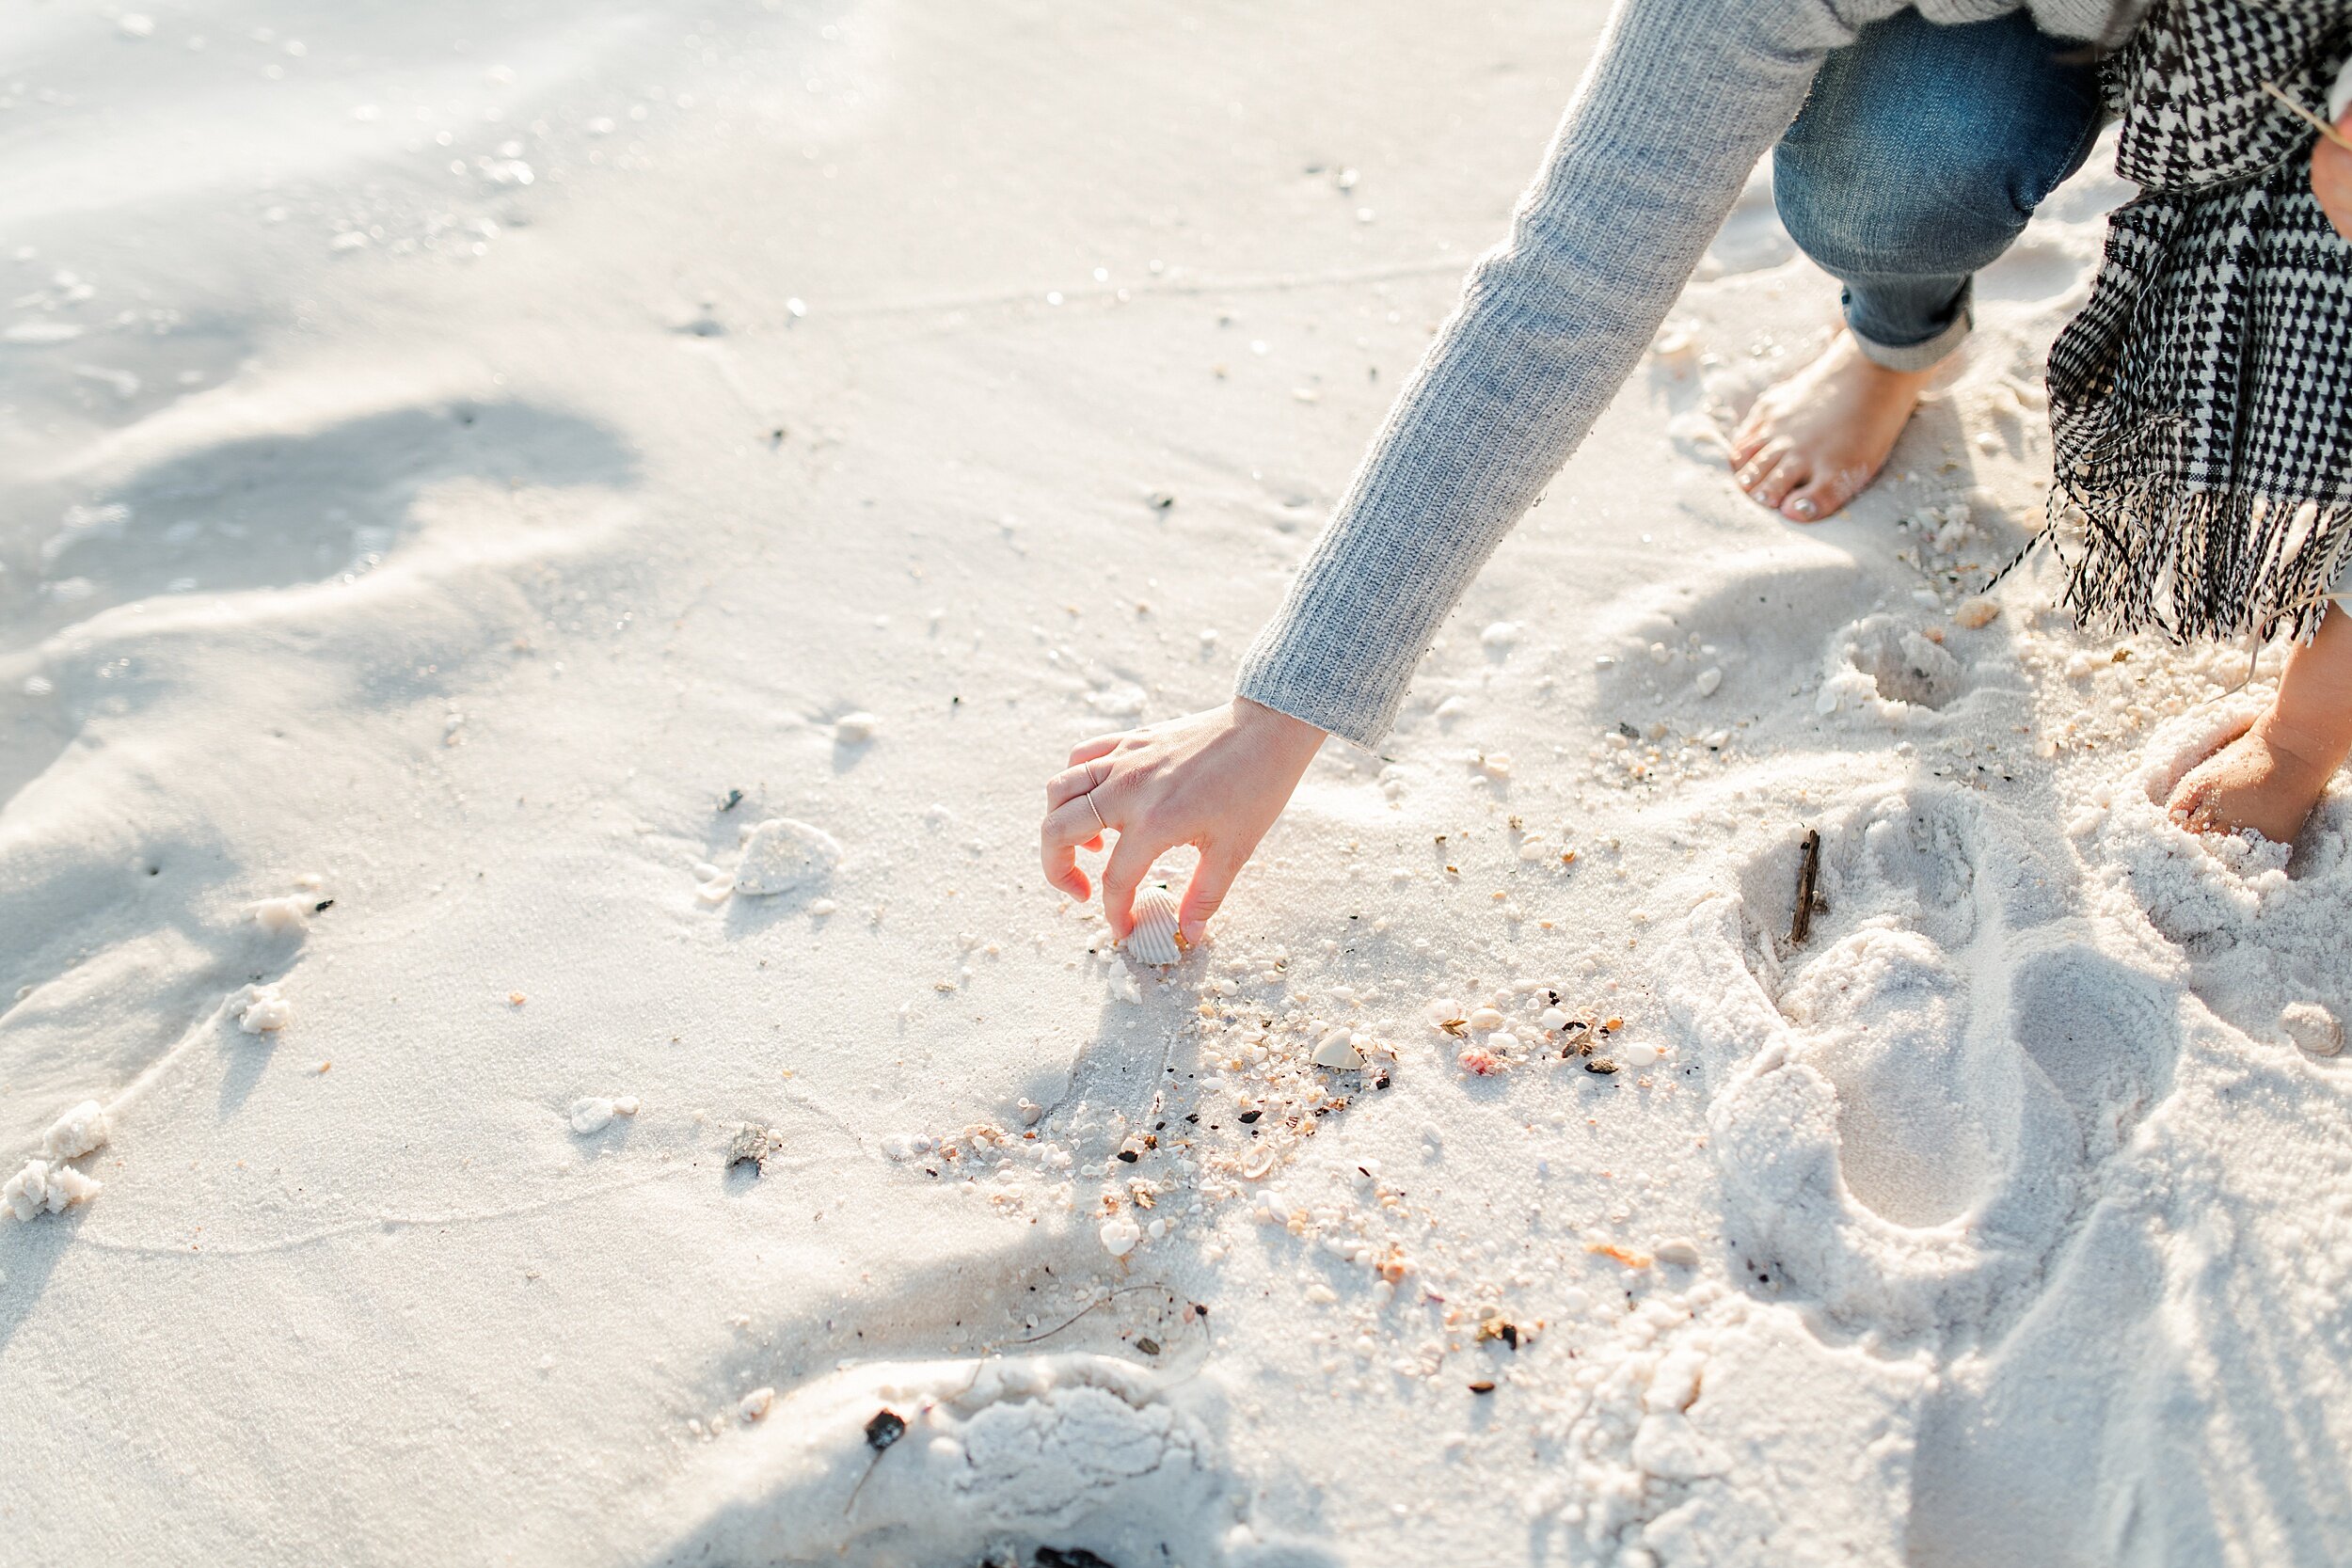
2269, 777
1813, 441
2257, 781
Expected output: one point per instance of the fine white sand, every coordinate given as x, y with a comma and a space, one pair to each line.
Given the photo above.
467, 466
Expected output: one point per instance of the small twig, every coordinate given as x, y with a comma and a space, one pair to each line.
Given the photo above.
1125, 1291
1808, 873
2317, 123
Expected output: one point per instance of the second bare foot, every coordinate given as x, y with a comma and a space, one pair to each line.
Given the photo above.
2254, 782
1813, 441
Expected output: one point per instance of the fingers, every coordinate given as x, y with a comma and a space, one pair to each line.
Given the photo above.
1211, 881
2332, 183
1131, 857
1068, 828
1101, 745
1073, 782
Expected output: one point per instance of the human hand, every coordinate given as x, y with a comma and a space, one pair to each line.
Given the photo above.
2331, 177
1216, 780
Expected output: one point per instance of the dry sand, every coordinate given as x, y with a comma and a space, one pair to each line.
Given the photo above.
467, 466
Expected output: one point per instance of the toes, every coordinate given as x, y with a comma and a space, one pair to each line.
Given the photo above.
1748, 439
1758, 465
1823, 497
1785, 475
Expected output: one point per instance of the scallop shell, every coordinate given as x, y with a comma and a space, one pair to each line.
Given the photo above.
2314, 1028
1154, 940
785, 856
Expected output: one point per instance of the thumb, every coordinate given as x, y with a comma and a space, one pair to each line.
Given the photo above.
1211, 879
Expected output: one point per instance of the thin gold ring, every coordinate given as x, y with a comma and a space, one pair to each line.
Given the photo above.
1096, 810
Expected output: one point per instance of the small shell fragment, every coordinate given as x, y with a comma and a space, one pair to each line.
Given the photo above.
751, 1145
1976, 613
2312, 1028
785, 856
283, 916
756, 1404
595, 1113
1338, 1050
1119, 1235
42, 1186
1678, 1253
262, 1009
77, 1132
1154, 939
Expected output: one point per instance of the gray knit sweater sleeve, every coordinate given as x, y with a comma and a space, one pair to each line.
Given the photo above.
1683, 96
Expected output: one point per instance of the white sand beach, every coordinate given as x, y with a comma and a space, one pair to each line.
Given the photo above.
465, 468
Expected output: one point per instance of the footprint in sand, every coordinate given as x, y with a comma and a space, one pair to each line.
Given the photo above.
949, 1462
1887, 665
1914, 1095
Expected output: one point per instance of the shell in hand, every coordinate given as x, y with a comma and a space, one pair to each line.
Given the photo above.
785, 856
1153, 940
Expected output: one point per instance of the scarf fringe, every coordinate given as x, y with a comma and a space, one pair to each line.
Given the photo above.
2146, 551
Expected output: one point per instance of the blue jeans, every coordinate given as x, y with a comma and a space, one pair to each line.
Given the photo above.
1919, 156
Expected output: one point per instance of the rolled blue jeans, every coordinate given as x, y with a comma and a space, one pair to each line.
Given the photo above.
1919, 155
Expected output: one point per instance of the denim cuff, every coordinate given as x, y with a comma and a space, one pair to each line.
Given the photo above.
1916, 357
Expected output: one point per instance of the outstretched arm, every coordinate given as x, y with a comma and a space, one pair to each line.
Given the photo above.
1681, 98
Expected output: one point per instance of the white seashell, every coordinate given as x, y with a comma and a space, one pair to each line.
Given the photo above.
1501, 634
596, 1113
785, 856
2312, 1028
278, 917
77, 1132
1338, 1050
1637, 1054
855, 729
1486, 1020
1708, 680
1443, 1011
41, 1185
1497, 764
1678, 1252
1553, 1018
1259, 1163
1153, 940
1119, 1235
262, 1010
756, 1404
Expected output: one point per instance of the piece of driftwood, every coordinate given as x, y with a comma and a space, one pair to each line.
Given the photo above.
1808, 875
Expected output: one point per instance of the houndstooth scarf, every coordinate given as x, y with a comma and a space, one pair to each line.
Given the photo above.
2200, 404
